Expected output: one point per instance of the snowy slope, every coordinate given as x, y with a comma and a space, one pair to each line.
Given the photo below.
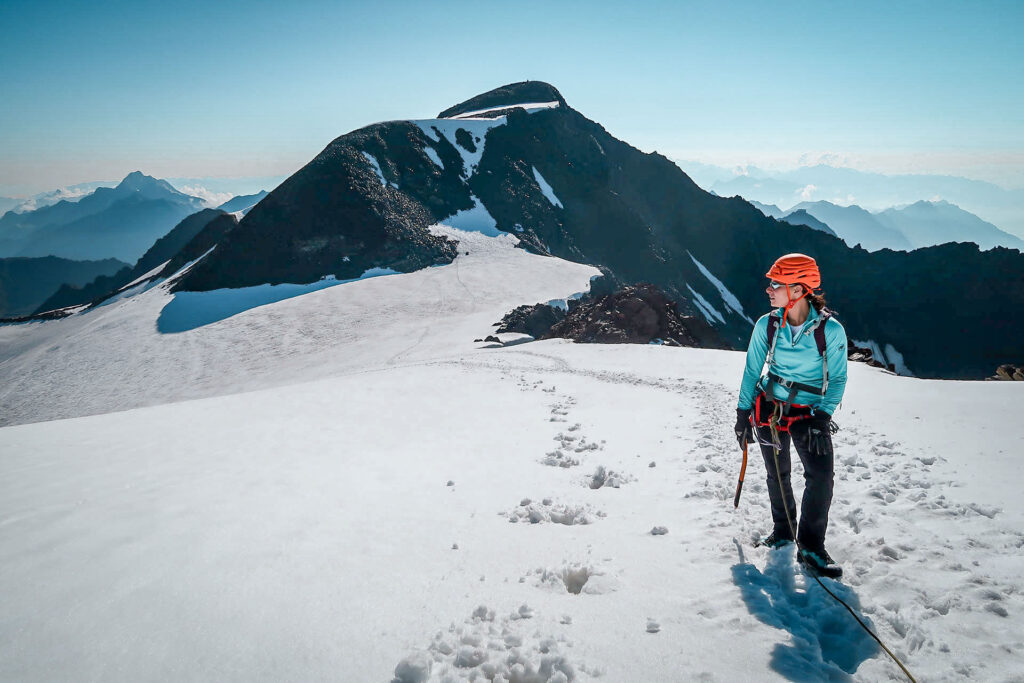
342, 485
115, 357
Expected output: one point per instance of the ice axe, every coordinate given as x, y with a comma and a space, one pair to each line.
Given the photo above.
743, 471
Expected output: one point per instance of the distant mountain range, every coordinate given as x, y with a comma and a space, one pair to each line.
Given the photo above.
856, 226
161, 252
801, 217
922, 224
120, 222
26, 282
874, 191
71, 193
795, 217
927, 223
138, 206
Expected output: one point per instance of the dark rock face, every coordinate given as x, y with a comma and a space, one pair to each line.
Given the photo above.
465, 140
637, 314
534, 320
524, 92
336, 216
168, 246
212, 234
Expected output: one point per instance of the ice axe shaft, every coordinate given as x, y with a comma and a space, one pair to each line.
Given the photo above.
743, 471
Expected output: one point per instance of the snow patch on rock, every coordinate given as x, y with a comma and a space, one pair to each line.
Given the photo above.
476, 219
889, 356
545, 187
376, 169
710, 312
727, 296
432, 155
476, 128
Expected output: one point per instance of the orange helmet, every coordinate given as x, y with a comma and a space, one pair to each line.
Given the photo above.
796, 269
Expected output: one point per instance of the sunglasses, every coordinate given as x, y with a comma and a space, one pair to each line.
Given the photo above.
775, 285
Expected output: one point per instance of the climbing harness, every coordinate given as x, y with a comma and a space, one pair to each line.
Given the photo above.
769, 378
774, 425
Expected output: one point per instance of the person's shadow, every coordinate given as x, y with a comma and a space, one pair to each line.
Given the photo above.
827, 643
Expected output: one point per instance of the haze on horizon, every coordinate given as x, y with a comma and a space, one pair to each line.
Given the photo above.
92, 92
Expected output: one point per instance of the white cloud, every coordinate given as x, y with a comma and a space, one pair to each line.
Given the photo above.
209, 198
806, 192
71, 194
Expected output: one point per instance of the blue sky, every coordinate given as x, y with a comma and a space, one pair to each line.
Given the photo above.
93, 91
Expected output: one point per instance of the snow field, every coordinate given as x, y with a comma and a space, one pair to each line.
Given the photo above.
343, 486
115, 358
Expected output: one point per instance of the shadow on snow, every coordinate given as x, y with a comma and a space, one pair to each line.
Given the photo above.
189, 310
827, 643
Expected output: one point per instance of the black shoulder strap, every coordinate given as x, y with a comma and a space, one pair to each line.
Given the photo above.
773, 326
819, 331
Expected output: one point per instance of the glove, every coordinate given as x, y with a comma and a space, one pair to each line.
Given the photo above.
744, 432
819, 434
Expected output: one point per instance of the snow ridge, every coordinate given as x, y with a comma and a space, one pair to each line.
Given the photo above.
727, 296
530, 107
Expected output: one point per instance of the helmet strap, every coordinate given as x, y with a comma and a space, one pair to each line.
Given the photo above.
792, 302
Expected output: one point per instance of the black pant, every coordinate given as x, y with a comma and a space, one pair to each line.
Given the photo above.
818, 483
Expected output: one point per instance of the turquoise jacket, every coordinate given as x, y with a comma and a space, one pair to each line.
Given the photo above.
797, 361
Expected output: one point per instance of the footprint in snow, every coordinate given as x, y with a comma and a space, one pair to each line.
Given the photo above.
485, 647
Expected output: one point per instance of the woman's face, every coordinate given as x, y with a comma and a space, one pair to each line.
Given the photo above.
777, 297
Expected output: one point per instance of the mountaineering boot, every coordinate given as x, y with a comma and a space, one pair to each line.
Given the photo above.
819, 562
775, 540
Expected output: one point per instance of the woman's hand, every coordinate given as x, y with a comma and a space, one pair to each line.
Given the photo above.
819, 434
744, 432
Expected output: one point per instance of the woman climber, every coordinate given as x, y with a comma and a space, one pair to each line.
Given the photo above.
792, 384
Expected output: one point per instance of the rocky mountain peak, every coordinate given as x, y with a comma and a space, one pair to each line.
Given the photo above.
137, 181
511, 94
